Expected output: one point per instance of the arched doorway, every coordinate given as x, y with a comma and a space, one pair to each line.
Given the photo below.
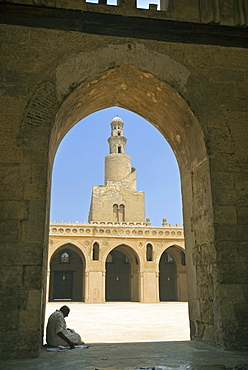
122, 273
118, 277
172, 275
167, 278
66, 275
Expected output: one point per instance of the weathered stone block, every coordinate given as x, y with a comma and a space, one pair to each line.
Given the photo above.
29, 2
242, 215
226, 12
9, 231
27, 339
242, 232
225, 197
32, 230
74, 4
12, 151
29, 319
232, 274
205, 293
207, 311
35, 187
35, 191
10, 320
11, 182
225, 215
50, 3
15, 298
32, 277
13, 209
203, 254
226, 232
186, 10
226, 250
10, 277
207, 13
223, 180
220, 142
218, 75
231, 292
241, 312
19, 254
34, 299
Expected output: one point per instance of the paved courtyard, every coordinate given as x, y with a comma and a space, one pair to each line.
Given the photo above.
128, 321
130, 335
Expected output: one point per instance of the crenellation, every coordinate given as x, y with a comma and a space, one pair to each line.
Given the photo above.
224, 12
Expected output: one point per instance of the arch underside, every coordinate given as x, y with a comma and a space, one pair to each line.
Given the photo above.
145, 94
142, 93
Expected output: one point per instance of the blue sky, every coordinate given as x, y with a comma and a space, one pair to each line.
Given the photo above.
79, 165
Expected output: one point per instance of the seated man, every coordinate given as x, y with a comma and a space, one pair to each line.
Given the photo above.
57, 333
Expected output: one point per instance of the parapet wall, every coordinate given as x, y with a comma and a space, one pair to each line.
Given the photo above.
223, 12
116, 229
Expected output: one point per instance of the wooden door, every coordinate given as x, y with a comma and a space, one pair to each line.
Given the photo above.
63, 285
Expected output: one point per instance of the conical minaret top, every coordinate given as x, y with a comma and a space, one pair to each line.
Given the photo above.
117, 141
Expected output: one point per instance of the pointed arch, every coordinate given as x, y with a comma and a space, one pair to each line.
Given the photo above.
67, 270
172, 275
122, 274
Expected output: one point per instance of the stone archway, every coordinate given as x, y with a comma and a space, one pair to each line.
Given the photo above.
122, 280
167, 278
154, 99
172, 275
67, 275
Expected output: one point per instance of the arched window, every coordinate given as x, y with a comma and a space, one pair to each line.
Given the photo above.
122, 213
183, 259
109, 258
125, 259
95, 252
115, 212
119, 133
168, 258
64, 258
119, 149
149, 252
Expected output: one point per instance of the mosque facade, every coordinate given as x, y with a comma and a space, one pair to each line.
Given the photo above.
117, 255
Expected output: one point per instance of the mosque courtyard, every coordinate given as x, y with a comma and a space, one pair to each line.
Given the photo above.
126, 322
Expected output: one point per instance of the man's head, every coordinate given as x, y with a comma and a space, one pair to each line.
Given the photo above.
65, 310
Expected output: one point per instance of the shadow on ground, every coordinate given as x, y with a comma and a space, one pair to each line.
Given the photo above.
190, 355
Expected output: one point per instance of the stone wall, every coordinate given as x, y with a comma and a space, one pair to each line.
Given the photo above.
195, 95
224, 12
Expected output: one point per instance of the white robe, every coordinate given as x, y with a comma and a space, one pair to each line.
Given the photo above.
56, 323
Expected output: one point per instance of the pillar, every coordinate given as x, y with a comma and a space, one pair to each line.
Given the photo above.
95, 286
149, 287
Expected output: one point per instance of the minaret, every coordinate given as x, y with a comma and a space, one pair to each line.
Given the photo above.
117, 163
117, 200
117, 141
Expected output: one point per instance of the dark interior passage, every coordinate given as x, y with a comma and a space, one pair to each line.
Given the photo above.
118, 271
167, 278
67, 274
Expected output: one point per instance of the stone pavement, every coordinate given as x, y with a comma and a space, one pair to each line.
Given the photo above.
132, 335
